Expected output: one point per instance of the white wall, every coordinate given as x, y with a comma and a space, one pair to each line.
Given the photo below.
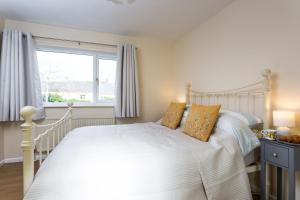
232, 48
154, 60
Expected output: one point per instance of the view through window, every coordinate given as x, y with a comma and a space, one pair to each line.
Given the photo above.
76, 77
107, 76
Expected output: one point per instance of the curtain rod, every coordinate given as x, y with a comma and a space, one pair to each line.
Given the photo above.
75, 41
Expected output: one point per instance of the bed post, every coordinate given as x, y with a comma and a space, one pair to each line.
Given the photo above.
71, 124
268, 113
188, 93
27, 146
267, 86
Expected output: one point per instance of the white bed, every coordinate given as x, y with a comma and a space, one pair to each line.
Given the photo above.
140, 161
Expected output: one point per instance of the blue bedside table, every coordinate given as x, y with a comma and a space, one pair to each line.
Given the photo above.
283, 156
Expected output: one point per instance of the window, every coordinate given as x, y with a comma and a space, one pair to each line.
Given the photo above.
107, 76
77, 76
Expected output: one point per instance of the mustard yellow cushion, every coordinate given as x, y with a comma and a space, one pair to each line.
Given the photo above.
201, 121
173, 115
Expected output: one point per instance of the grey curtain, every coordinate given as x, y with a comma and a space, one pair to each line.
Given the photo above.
127, 103
19, 76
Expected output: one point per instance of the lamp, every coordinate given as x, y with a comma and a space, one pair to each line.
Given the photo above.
283, 120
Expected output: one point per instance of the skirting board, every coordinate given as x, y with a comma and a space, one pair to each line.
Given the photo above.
2, 162
15, 160
11, 160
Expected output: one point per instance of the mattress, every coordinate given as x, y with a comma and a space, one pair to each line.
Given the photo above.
141, 162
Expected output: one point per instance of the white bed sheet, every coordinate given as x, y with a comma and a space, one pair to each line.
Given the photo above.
141, 161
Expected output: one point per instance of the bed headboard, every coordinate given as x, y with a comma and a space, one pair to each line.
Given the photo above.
254, 98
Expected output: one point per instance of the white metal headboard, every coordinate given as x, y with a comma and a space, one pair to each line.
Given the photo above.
254, 98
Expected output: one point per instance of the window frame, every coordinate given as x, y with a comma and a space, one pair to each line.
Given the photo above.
96, 56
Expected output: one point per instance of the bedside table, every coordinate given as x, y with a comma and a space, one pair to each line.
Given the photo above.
283, 156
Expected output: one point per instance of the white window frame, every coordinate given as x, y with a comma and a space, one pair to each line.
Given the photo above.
96, 56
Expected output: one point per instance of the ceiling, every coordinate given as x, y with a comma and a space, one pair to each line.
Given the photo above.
165, 19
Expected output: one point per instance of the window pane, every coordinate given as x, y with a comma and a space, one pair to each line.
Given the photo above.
66, 77
107, 76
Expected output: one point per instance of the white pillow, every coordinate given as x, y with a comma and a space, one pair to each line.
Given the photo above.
236, 124
246, 139
159, 121
183, 119
250, 120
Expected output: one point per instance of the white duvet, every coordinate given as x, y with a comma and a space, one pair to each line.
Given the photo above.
141, 162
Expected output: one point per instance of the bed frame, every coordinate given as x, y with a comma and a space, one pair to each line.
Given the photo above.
254, 99
39, 140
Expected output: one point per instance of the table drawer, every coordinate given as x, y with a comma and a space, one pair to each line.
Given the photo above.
277, 154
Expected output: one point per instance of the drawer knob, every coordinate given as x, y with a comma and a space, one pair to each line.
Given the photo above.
275, 155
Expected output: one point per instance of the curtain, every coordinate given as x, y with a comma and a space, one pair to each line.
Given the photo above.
20, 83
127, 101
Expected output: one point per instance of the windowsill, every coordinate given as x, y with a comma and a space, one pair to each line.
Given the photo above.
78, 105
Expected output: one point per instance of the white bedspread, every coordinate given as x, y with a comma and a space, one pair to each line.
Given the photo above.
141, 162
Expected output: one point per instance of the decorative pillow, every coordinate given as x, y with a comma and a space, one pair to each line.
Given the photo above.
173, 115
201, 121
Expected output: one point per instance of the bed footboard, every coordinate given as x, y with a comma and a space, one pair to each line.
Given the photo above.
40, 139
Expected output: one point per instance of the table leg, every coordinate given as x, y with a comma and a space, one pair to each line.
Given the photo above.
263, 180
291, 183
279, 183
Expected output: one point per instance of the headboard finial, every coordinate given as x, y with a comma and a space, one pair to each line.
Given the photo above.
266, 73
267, 76
189, 85
188, 93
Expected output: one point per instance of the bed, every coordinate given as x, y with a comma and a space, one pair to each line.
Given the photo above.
141, 161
